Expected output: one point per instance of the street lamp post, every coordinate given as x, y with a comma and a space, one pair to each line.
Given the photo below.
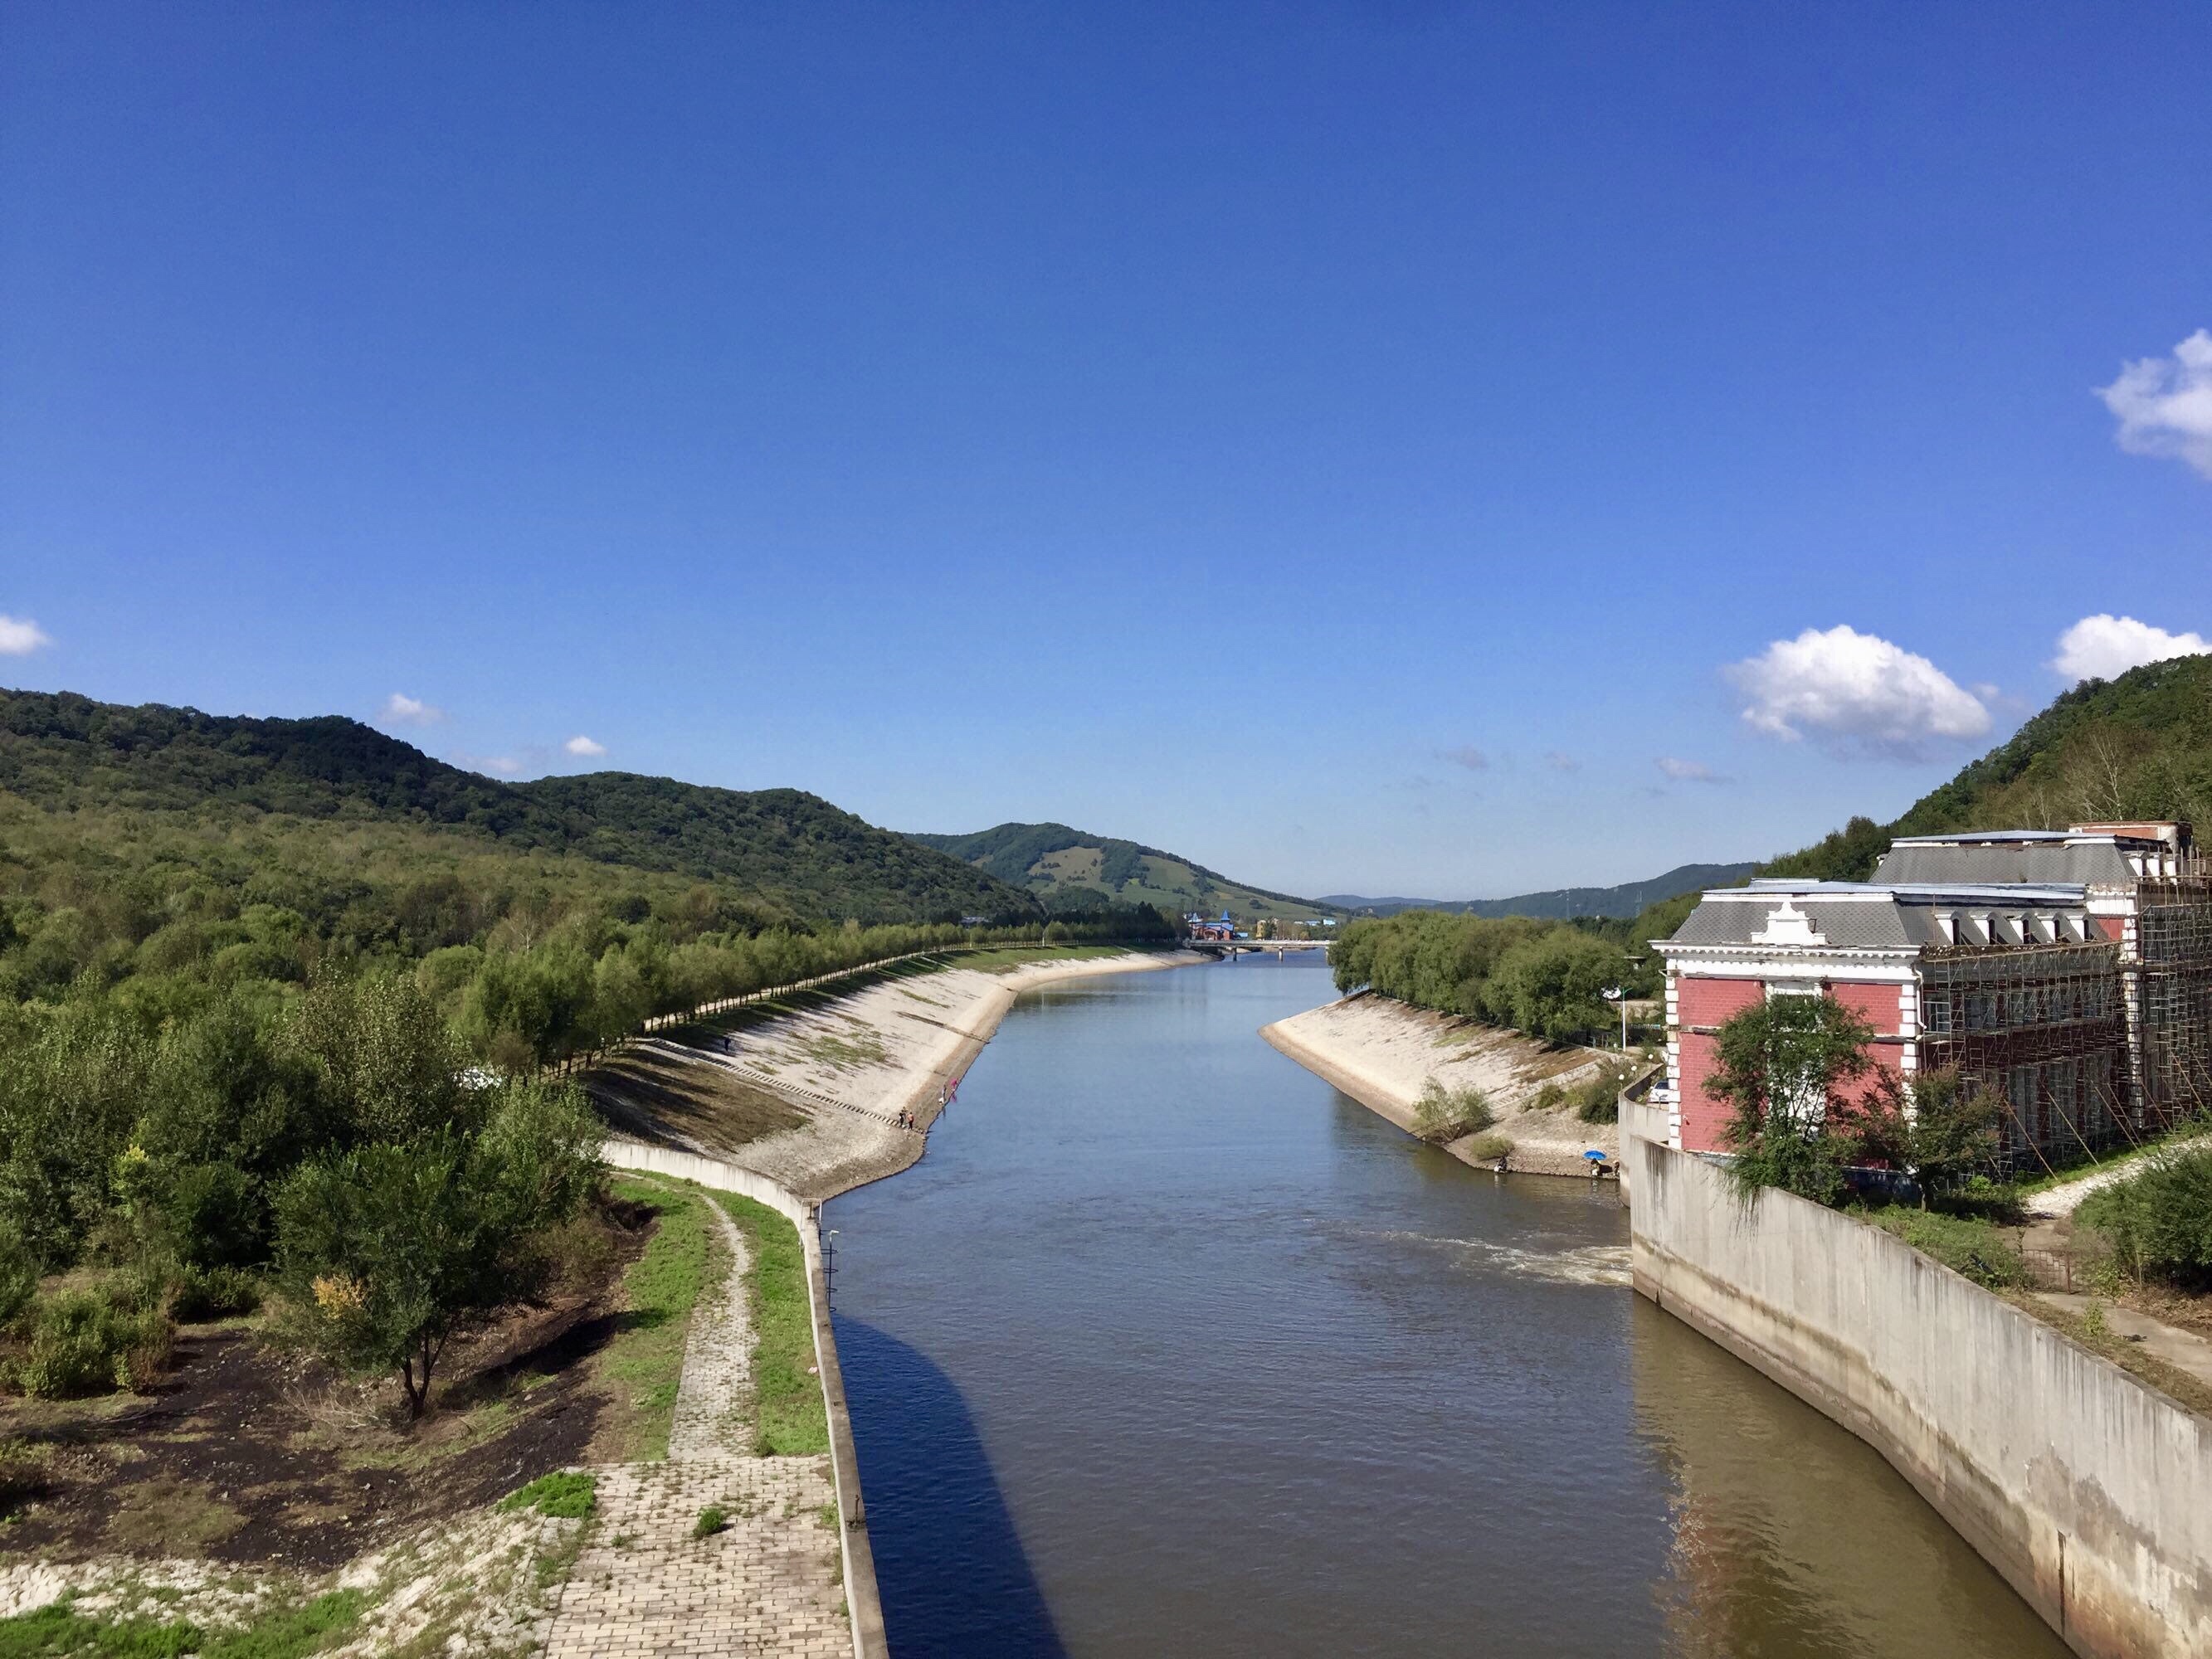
1614, 993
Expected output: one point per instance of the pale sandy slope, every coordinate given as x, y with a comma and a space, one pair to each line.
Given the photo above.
1380, 1052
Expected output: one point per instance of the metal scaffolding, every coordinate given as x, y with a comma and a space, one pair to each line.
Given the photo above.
2043, 1029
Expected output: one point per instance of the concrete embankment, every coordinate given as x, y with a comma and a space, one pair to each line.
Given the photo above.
850, 1067
1383, 1053
2088, 1489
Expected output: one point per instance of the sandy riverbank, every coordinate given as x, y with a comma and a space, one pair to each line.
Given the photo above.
1382, 1053
848, 1069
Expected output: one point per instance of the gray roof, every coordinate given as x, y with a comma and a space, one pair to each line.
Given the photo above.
2089, 862
1851, 915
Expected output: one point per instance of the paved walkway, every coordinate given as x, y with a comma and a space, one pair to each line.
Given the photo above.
766, 1585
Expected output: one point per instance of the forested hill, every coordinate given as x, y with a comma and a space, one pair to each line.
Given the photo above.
786, 851
1560, 903
1073, 870
2136, 747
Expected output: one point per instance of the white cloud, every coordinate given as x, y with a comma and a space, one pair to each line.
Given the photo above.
1560, 763
2165, 404
19, 637
584, 748
1466, 755
1855, 690
2102, 646
400, 709
1689, 771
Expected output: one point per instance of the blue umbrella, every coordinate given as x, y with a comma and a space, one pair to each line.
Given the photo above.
1596, 1157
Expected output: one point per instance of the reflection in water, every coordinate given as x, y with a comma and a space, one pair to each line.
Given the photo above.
1792, 1537
964, 1589
1167, 1348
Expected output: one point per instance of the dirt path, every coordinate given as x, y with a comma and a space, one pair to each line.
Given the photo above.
766, 1583
2066, 1197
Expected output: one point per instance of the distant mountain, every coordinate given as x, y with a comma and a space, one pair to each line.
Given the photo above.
2139, 746
63, 753
1073, 870
1628, 900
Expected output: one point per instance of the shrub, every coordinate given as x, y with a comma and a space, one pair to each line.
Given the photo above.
19, 1278
80, 1342
1441, 1114
216, 1217
1491, 1149
712, 1519
203, 1293
1549, 1099
1597, 1099
2159, 1222
1976, 1249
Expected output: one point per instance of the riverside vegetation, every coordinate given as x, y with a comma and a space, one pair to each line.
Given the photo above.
283, 1009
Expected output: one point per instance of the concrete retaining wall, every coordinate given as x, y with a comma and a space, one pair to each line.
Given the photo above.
862, 1599
2089, 1491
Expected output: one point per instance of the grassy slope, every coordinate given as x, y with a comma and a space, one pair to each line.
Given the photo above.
2136, 747
93, 767
792, 1420
646, 1358
1046, 858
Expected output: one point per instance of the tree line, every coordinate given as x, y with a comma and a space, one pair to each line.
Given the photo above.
1546, 978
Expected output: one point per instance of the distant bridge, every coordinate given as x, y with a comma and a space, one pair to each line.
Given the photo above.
1237, 947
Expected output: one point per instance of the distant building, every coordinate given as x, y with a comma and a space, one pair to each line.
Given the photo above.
2069, 972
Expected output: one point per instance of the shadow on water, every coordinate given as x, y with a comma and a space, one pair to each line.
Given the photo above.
961, 1587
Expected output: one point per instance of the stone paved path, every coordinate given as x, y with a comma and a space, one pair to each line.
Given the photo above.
645, 1585
769, 1584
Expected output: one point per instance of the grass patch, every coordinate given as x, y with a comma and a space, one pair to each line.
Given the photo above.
1977, 1249
1489, 1149
564, 1496
792, 1419
644, 1359
863, 1047
712, 1519
285, 1633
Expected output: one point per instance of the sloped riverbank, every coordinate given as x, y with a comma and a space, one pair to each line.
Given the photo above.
1383, 1053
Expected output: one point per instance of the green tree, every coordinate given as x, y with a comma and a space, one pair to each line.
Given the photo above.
1550, 986
385, 1252
1935, 1126
388, 1068
1782, 1065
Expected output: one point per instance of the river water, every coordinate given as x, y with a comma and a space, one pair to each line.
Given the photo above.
1169, 1348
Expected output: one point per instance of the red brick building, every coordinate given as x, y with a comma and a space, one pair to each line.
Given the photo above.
2068, 972
2016, 986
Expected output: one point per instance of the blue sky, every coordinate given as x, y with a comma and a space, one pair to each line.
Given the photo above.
1366, 448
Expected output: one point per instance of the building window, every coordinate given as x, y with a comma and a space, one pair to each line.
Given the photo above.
1935, 1012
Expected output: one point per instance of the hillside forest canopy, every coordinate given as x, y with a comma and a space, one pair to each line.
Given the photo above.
268, 987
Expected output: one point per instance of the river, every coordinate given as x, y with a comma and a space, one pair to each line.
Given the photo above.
1168, 1348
